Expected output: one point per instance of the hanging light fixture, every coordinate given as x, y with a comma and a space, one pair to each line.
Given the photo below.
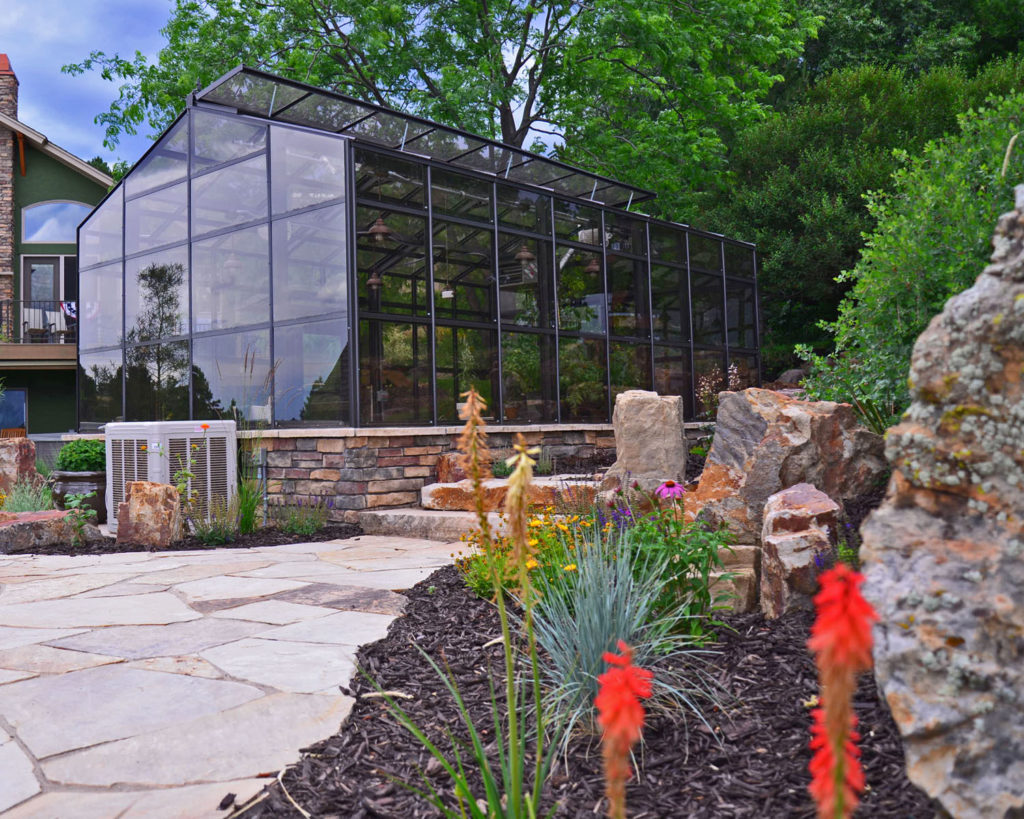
375, 281
527, 262
593, 266
379, 231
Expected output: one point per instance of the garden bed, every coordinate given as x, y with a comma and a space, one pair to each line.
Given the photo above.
751, 763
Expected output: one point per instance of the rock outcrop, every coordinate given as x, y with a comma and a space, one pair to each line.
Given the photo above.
944, 555
151, 515
650, 440
798, 541
17, 461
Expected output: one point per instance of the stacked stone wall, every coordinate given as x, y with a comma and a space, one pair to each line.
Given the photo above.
9, 106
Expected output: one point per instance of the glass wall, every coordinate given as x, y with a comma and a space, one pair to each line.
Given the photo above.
218, 279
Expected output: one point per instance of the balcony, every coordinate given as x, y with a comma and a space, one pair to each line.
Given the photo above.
36, 334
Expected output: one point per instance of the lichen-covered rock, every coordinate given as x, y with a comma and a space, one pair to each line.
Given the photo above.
766, 442
944, 555
650, 440
17, 461
151, 515
799, 534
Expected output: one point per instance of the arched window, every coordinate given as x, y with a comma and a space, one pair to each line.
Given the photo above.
52, 222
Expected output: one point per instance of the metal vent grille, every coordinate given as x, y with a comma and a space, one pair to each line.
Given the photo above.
129, 461
206, 461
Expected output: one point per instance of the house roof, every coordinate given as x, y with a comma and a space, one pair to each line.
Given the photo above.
269, 96
42, 143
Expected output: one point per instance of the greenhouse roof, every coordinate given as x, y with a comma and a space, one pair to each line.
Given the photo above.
261, 94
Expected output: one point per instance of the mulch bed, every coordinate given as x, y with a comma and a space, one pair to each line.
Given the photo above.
752, 764
267, 536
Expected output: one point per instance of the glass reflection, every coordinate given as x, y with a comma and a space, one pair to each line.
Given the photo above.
629, 308
583, 374
231, 196
625, 234
672, 374
100, 238
389, 180
527, 286
99, 306
167, 162
158, 218
743, 372
705, 253
709, 380
708, 327
156, 382
577, 223
391, 262
306, 169
310, 264
220, 138
582, 302
463, 273
394, 373
630, 367
528, 377
313, 383
231, 377
231, 280
670, 300
464, 196
99, 388
156, 296
465, 358
524, 209
739, 260
742, 315
668, 244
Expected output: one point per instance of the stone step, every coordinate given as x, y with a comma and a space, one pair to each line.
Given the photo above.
422, 523
544, 491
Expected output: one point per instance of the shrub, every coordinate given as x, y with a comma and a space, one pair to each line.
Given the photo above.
82, 455
303, 518
248, 500
28, 495
220, 523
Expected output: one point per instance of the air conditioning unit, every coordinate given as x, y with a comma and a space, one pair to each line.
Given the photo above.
158, 450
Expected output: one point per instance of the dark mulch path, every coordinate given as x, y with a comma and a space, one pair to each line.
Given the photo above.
753, 766
262, 537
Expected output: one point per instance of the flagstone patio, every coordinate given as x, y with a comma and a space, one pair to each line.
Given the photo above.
153, 684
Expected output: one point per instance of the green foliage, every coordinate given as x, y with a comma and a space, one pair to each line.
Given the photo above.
80, 514
303, 517
82, 455
27, 495
931, 242
220, 524
249, 499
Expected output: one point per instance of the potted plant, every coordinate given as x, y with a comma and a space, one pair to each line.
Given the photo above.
81, 468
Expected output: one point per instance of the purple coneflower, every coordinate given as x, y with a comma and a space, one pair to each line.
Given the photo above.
670, 490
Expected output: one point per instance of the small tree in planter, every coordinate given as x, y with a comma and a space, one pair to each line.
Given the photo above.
81, 468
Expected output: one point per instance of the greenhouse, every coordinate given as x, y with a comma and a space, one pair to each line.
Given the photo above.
288, 255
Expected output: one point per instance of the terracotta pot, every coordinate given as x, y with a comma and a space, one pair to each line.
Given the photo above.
81, 483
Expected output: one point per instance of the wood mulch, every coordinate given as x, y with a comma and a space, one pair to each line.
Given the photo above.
752, 763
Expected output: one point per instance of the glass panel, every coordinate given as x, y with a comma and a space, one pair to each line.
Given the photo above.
231, 196
156, 296
456, 195
668, 244
156, 382
709, 380
670, 299
41, 283
464, 273
231, 280
311, 264
394, 373
313, 380
220, 138
100, 306
528, 368
441, 143
739, 260
100, 237
324, 112
630, 367
70, 278
625, 234
582, 302
53, 222
707, 309
742, 372
583, 373
156, 219
629, 308
13, 409
741, 314
306, 169
705, 254
388, 129
527, 286
490, 158
167, 162
391, 262
252, 93
465, 358
577, 223
231, 376
99, 388
387, 179
533, 170
672, 374
524, 209
575, 184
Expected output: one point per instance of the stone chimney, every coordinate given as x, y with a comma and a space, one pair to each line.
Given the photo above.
9, 106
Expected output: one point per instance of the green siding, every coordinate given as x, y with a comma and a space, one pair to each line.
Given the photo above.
51, 397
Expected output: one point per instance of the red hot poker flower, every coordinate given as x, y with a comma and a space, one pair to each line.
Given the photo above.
841, 634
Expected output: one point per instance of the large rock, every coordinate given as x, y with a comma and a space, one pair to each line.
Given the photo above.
798, 540
944, 555
17, 461
32, 531
766, 442
151, 515
450, 469
650, 440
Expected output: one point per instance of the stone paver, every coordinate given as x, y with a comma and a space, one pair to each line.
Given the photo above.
152, 684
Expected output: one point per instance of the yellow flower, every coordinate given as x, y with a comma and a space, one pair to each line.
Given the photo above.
535, 523
532, 541
531, 564
563, 527
569, 567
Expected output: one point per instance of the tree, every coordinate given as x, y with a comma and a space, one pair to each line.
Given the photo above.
636, 86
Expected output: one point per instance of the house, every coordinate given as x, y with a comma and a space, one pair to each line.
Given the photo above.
45, 192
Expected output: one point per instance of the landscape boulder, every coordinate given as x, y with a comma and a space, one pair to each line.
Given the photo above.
650, 440
944, 555
797, 542
17, 461
33, 531
151, 515
449, 468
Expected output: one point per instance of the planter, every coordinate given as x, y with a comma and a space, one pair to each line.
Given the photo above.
81, 483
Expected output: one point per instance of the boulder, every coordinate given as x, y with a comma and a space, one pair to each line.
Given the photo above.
766, 442
650, 440
542, 492
792, 377
449, 468
151, 515
798, 540
944, 555
32, 531
17, 461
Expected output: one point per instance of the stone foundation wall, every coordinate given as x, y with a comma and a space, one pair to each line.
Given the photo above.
386, 468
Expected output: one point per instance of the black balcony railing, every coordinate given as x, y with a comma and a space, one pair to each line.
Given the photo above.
38, 322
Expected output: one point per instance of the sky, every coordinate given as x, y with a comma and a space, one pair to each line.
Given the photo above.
40, 36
